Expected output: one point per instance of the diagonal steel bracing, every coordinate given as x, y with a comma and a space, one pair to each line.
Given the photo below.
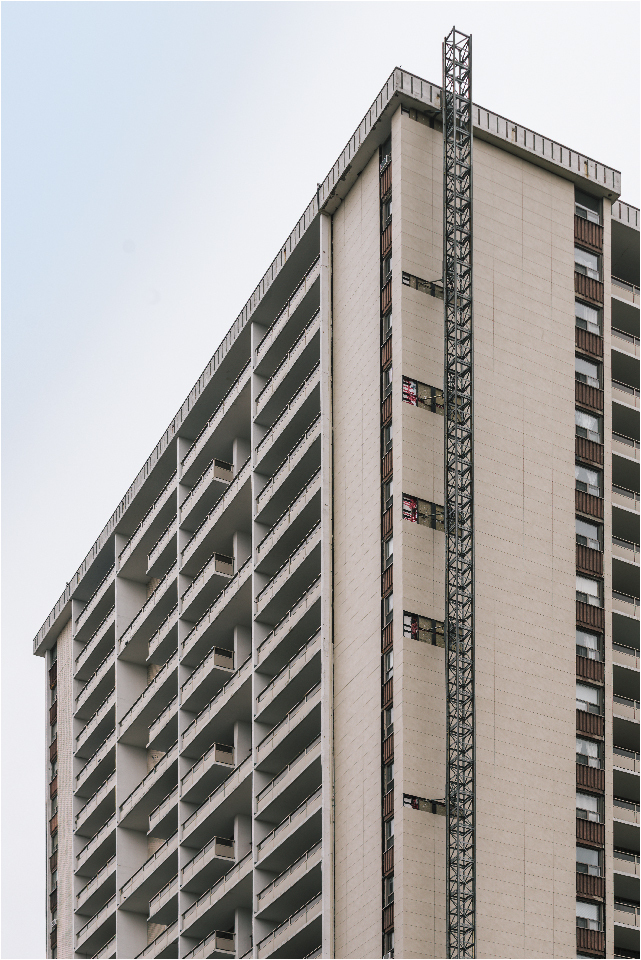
459, 483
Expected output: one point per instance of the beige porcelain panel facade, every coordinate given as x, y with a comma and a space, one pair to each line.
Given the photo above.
419, 669
525, 557
357, 568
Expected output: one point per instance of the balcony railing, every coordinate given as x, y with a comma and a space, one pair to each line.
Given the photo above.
210, 708
210, 894
107, 744
221, 846
165, 891
213, 944
266, 691
86, 690
152, 509
290, 406
291, 560
290, 766
630, 289
312, 322
101, 712
243, 769
96, 881
629, 546
97, 839
286, 306
217, 753
152, 687
95, 639
625, 707
191, 453
627, 913
299, 812
286, 873
215, 469
86, 610
303, 913
149, 603
167, 847
285, 466
626, 861
290, 615
97, 918
97, 797
165, 804
287, 719
211, 611
157, 770
161, 942
221, 503
630, 495
284, 518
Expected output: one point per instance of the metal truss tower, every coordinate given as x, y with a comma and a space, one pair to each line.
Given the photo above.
459, 494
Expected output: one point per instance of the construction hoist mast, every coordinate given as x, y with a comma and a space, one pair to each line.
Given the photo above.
459, 490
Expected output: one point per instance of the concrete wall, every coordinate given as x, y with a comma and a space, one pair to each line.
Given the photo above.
525, 557
357, 568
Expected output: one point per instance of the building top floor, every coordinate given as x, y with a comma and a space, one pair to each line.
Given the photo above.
293, 262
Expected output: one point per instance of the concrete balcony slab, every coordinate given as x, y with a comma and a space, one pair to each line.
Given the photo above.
231, 608
231, 703
295, 886
299, 624
296, 936
133, 729
216, 907
289, 788
135, 810
219, 525
286, 689
151, 877
215, 817
290, 476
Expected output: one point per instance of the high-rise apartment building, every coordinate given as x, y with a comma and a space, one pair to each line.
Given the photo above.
246, 677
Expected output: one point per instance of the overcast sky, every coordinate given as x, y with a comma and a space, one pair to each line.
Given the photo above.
155, 157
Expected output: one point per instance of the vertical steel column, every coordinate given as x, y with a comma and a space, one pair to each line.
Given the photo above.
459, 490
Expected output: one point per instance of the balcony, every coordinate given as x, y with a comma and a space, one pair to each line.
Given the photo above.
622, 393
211, 674
217, 944
134, 726
147, 531
287, 687
298, 883
624, 656
134, 811
206, 775
134, 641
299, 623
297, 361
210, 487
625, 708
293, 420
165, 639
232, 796
97, 647
624, 604
136, 893
626, 759
288, 736
626, 810
306, 297
283, 535
96, 931
163, 551
163, 908
292, 578
208, 865
627, 862
97, 686
231, 703
231, 607
216, 907
219, 525
626, 499
97, 808
206, 586
623, 290
297, 934
625, 550
302, 461
107, 950
97, 767
289, 788
101, 848
163, 819
286, 841
98, 891
164, 729
97, 729
165, 943
96, 607
201, 450
625, 446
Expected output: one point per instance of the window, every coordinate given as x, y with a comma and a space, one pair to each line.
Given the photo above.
587, 263
388, 436
588, 534
388, 782
587, 372
588, 915
588, 481
588, 861
422, 511
424, 629
387, 269
54, 805
589, 753
589, 698
388, 722
388, 553
387, 326
388, 494
54, 693
54, 730
388, 607
587, 426
587, 318
388, 945
54, 768
587, 207
387, 382
54, 880
589, 807
386, 153
588, 591
588, 645
388, 665
388, 891
386, 213
421, 395
389, 834
54, 841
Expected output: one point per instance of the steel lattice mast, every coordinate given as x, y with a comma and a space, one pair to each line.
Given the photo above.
459, 498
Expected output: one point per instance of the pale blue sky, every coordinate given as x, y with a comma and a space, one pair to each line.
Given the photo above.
155, 156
